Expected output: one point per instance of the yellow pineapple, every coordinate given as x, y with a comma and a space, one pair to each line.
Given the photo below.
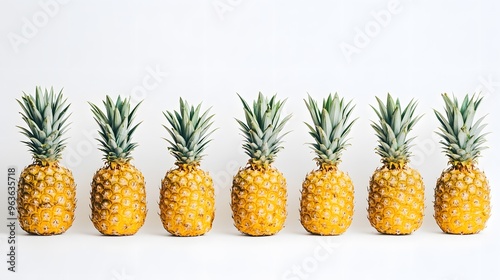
462, 193
396, 192
258, 193
118, 195
327, 200
187, 199
46, 196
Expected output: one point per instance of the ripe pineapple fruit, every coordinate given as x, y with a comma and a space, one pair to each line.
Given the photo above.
396, 192
118, 195
258, 194
187, 199
46, 196
327, 202
462, 193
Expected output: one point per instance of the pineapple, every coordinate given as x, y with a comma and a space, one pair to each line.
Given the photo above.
187, 200
396, 192
258, 193
118, 195
462, 193
46, 196
327, 201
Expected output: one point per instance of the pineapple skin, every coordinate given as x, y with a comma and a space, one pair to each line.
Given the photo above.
327, 202
46, 199
187, 201
118, 199
462, 200
258, 200
396, 200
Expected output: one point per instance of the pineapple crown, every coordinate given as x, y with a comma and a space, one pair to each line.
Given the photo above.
394, 125
189, 131
461, 138
330, 128
262, 128
116, 129
45, 115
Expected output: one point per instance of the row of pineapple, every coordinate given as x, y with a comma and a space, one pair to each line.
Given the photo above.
46, 192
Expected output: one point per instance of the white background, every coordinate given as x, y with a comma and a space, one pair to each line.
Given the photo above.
213, 49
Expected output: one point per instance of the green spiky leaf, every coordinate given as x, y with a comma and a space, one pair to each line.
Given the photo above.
394, 124
116, 128
45, 115
189, 132
462, 138
330, 127
262, 128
